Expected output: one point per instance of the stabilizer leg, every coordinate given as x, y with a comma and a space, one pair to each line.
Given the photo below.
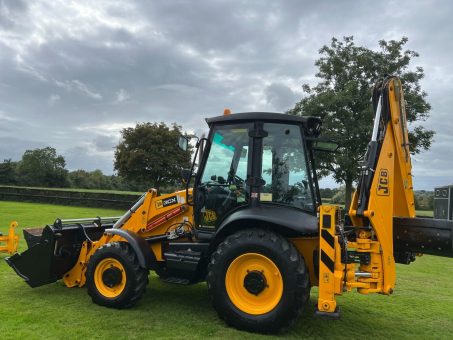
330, 276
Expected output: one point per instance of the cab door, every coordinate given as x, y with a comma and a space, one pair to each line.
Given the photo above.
222, 186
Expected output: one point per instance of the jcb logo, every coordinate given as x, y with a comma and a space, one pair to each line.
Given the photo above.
169, 201
210, 216
383, 183
166, 202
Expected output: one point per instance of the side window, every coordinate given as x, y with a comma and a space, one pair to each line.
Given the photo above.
284, 167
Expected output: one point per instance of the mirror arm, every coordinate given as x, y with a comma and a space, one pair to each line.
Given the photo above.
208, 144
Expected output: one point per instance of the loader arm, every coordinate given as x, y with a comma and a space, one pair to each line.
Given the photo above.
150, 219
63, 250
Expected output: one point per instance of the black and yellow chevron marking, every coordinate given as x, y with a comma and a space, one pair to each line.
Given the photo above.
328, 238
328, 262
327, 256
330, 241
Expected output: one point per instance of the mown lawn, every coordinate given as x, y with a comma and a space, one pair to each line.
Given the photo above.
421, 307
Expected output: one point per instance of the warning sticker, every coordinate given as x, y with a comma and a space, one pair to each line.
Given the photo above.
265, 197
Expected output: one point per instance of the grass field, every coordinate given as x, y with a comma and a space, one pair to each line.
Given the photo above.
420, 308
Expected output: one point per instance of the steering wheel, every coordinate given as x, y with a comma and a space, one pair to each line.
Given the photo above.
238, 181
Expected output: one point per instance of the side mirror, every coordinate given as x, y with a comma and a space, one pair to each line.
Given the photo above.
318, 144
186, 174
183, 143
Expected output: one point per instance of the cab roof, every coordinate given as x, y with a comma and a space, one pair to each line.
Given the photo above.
311, 125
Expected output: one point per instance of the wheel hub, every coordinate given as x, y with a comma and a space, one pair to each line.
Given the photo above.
112, 276
255, 282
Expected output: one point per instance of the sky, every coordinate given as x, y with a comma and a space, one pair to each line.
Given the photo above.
74, 73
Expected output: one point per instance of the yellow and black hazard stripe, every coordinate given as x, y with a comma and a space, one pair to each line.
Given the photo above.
327, 242
327, 238
326, 259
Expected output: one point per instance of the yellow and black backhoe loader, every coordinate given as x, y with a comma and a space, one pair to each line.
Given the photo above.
252, 225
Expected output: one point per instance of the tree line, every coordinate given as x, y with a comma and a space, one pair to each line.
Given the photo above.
45, 168
424, 199
147, 156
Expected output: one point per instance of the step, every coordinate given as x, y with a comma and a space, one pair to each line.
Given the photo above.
175, 280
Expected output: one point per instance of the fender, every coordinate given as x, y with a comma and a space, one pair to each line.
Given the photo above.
146, 257
290, 222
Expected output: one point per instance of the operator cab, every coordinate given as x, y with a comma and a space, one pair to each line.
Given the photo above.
254, 161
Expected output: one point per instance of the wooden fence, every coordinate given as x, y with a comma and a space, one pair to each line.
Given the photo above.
67, 197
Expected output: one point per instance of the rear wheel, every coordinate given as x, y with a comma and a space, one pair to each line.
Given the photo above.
258, 281
114, 277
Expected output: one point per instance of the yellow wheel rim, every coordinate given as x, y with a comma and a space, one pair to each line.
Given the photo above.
254, 283
113, 287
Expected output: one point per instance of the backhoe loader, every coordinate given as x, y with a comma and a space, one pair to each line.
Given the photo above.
251, 224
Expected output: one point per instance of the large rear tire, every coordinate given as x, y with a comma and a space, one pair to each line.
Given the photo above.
258, 281
114, 276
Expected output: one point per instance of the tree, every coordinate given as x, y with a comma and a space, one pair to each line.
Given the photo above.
328, 192
149, 153
80, 179
339, 197
42, 167
83, 179
424, 200
342, 99
8, 172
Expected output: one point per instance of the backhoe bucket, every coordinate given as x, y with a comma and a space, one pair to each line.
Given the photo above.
423, 235
52, 251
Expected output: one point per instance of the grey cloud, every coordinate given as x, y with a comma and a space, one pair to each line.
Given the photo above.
122, 96
105, 143
82, 157
53, 99
281, 97
10, 10
14, 147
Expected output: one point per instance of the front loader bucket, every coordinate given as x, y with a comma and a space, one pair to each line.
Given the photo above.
52, 251
423, 235
36, 265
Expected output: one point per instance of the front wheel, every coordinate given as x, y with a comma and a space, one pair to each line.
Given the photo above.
258, 281
114, 276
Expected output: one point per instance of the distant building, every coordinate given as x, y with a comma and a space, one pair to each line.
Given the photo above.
443, 202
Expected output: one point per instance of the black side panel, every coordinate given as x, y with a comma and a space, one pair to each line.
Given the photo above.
423, 235
298, 222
